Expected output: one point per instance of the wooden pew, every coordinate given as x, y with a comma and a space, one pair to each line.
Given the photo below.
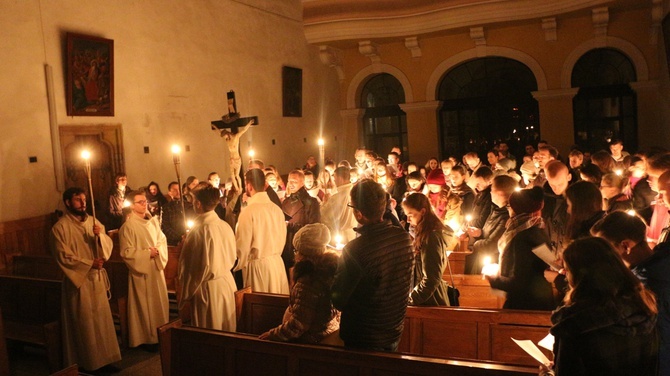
475, 292
475, 334
195, 351
4, 359
27, 236
31, 309
36, 266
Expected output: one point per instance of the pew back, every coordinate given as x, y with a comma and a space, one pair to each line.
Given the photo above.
476, 334
187, 350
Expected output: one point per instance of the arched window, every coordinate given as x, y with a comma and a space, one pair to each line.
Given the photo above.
487, 100
384, 123
605, 106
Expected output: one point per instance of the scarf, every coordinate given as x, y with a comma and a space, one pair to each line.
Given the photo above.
517, 224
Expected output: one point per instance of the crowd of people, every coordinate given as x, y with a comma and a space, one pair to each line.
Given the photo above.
355, 243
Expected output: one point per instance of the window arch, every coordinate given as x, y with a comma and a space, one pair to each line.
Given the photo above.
384, 122
605, 106
486, 100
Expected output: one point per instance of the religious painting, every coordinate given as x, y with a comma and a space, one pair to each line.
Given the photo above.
90, 76
292, 92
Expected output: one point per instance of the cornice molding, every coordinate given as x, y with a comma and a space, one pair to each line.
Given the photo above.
555, 93
463, 15
420, 106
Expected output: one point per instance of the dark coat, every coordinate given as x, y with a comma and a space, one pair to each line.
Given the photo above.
482, 208
654, 273
555, 215
643, 196
302, 209
487, 243
429, 263
522, 273
604, 338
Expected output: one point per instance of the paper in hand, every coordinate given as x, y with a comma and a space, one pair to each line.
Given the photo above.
532, 350
547, 342
546, 255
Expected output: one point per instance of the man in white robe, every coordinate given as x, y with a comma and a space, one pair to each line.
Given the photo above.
80, 247
261, 234
144, 250
336, 213
205, 264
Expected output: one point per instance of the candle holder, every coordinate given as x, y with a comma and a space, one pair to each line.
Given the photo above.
177, 163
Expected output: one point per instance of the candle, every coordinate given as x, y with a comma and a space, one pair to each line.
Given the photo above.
618, 172
177, 162
631, 212
189, 225
251, 153
338, 242
322, 153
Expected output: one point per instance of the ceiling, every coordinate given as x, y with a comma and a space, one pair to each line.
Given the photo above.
343, 22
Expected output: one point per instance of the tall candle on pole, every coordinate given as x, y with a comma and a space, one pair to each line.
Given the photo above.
322, 154
177, 162
86, 156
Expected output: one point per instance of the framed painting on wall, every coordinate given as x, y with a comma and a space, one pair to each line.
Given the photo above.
90, 76
291, 92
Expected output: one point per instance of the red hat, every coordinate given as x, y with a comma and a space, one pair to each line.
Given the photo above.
436, 177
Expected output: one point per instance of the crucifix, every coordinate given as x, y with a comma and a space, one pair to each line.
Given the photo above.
232, 127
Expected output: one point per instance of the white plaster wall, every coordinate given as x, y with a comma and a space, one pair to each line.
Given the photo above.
174, 62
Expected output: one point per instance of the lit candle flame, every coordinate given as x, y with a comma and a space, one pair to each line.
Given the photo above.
86, 154
468, 218
487, 260
190, 224
126, 203
176, 149
631, 212
251, 153
618, 172
490, 270
321, 142
517, 189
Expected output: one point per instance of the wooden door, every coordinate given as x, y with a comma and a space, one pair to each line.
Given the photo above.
105, 143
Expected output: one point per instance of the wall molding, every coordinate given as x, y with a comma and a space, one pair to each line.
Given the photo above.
356, 84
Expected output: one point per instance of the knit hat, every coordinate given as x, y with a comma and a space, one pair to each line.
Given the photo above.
311, 239
527, 200
435, 177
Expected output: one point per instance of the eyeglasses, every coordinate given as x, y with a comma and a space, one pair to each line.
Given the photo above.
141, 202
352, 206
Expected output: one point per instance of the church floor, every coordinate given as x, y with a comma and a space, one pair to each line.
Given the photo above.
32, 361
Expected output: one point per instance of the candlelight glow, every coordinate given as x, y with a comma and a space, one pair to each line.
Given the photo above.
251, 153
86, 154
190, 224
618, 172
176, 149
517, 189
453, 223
320, 142
490, 270
631, 212
468, 218
338, 238
487, 260
126, 203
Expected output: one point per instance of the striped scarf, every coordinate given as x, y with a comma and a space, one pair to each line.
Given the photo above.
517, 224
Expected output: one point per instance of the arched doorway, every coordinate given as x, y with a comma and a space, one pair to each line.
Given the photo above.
487, 100
384, 122
605, 107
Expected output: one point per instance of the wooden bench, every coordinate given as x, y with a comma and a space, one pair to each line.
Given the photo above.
31, 310
195, 351
4, 358
450, 332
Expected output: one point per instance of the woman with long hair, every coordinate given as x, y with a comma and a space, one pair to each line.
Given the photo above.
155, 198
584, 203
607, 325
432, 239
612, 188
432, 164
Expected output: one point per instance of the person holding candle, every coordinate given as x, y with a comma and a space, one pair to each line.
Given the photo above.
207, 256
486, 238
431, 242
143, 247
117, 195
612, 187
335, 213
80, 246
521, 273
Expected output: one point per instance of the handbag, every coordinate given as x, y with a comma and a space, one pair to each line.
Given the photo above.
452, 291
